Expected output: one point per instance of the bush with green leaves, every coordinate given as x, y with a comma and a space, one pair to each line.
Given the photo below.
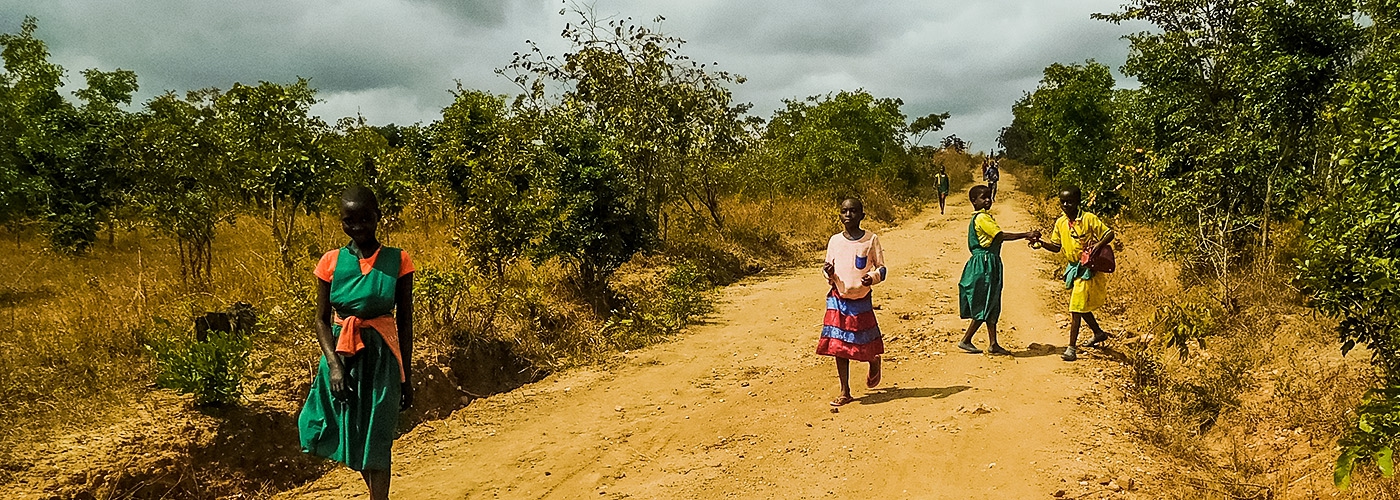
212, 370
1375, 437
659, 307
1351, 266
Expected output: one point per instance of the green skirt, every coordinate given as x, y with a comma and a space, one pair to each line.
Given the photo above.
359, 432
979, 290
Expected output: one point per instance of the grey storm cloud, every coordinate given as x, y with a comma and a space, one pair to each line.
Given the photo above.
396, 60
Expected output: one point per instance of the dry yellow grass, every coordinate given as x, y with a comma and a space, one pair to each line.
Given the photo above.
72, 344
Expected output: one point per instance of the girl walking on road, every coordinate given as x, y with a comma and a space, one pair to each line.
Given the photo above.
363, 382
941, 180
979, 290
1077, 236
854, 263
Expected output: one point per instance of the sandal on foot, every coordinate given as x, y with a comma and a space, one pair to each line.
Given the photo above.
842, 401
873, 379
998, 349
1070, 354
1098, 339
967, 346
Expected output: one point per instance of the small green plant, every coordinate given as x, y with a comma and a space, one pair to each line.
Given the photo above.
659, 307
1180, 323
212, 370
1374, 438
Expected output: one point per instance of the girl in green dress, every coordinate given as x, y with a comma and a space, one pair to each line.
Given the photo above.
352, 411
979, 291
941, 179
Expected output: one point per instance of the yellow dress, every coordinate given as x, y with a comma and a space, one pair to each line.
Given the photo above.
1073, 236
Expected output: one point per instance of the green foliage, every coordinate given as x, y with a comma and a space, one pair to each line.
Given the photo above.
923, 125
1229, 97
211, 370
480, 147
833, 142
274, 148
1179, 323
597, 218
1374, 438
671, 120
56, 161
1066, 125
1351, 269
659, 307
180, 181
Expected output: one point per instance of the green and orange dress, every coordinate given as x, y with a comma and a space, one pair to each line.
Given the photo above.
360, 431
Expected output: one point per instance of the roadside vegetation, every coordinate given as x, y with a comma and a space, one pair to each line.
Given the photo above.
1252, 175
592, 213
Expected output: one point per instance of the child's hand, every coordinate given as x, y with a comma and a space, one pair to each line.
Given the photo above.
867, 280
339, 389
829, 269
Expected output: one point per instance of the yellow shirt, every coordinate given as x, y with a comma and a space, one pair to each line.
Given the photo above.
986, 227
1083, 232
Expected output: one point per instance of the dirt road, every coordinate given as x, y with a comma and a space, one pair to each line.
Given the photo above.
738, 407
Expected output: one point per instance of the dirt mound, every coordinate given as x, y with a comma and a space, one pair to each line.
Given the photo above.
171, 449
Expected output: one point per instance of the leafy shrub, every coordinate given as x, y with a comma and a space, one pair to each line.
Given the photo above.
1374, 438
1180, 323
211, 370
658, 307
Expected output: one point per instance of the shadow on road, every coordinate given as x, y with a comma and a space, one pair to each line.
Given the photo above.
893, 393
1036, 350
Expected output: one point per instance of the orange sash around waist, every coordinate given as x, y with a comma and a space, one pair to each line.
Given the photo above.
351, 343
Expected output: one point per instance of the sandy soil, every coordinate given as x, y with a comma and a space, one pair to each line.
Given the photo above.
737, 407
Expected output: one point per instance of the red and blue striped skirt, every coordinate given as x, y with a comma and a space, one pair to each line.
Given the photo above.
849, 329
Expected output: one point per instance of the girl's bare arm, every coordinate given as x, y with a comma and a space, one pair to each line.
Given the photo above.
403, 303
327, 340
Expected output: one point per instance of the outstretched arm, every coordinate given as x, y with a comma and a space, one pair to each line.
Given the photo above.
1029, 235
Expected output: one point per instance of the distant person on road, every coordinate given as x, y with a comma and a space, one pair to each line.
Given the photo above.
941, 180
1077, 236
364, 323
854, 263
991, 173
979, 290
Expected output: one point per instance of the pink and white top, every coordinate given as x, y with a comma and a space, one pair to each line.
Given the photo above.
854, 260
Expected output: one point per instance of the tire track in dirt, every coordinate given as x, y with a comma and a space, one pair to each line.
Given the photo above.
737, 407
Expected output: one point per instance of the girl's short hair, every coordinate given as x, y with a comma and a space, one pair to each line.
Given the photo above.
360, 194
976, 190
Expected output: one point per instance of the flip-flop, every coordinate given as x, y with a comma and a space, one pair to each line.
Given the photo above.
876, 371
997, 349
1098, 339
842, 401
967, 346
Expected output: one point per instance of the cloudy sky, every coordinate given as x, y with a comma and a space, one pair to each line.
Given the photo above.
395, 60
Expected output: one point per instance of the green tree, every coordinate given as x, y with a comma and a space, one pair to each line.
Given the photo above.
596, 222
838, 140
1067, 125
1230, 91
673, 119
479, 146
1351, 265
181, 182
57, 159
274, 149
